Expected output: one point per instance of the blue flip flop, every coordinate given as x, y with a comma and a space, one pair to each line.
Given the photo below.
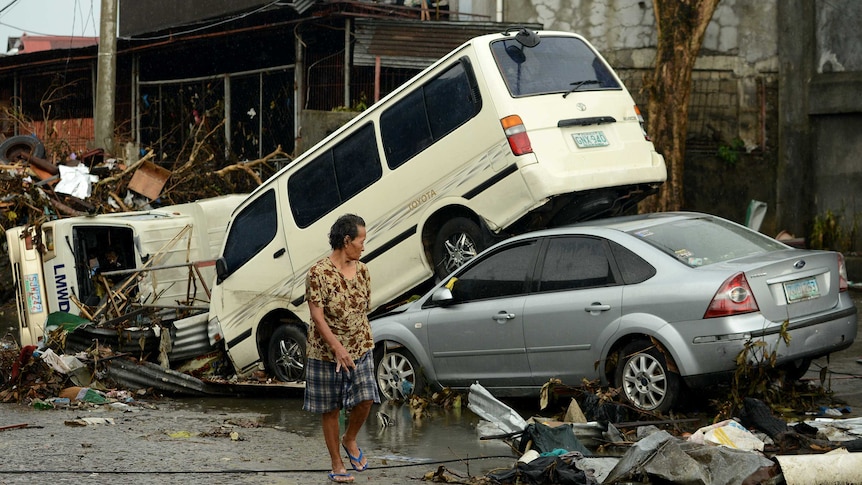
341, 477
356, 459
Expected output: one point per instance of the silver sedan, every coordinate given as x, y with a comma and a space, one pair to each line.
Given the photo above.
649, 303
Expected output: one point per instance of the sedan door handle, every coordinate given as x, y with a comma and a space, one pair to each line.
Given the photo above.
502, 317
596, 307
279, 253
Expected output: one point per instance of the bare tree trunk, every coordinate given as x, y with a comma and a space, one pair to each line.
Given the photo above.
680, 25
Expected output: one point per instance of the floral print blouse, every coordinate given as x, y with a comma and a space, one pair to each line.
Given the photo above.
345, 303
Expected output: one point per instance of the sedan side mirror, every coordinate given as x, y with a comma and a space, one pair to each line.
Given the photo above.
443, 296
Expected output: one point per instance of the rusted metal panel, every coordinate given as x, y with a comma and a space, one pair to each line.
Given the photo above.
415, 44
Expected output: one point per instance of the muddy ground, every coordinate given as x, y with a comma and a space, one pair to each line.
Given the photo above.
165, 443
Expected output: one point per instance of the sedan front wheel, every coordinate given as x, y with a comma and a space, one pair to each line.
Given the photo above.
398, 375
645, 379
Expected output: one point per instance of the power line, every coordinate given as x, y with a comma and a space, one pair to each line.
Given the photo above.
13, 2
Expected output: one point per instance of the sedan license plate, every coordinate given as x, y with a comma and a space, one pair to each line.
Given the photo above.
800, 290
590, 139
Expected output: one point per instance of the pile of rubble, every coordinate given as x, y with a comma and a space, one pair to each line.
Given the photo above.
36, 189
755, 447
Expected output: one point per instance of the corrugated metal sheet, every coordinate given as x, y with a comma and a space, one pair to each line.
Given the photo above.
136, 375
415, 44
190, 338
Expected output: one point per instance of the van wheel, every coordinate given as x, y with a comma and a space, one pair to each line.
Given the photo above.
12, 146
644, 377
286, 357
397, 374
458, 241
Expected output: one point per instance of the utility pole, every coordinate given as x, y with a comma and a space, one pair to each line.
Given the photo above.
106, 77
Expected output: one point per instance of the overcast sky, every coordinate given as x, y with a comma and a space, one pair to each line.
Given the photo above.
48, 17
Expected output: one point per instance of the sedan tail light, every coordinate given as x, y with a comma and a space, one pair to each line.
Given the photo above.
842, 273
733, 298
516, 133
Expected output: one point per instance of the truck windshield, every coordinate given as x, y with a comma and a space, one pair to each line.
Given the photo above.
555, 65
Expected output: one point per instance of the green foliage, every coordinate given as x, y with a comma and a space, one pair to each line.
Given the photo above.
359, 105
730, 153
828, 232
757, 376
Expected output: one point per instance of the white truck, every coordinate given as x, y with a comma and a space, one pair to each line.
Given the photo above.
56, 265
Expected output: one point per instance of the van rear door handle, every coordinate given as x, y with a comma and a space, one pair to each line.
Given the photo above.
279, 253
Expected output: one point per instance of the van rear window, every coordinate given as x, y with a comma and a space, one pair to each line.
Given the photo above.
555, 65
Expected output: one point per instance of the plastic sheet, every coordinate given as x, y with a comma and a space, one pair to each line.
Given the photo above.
661, 456
837, 466
489, 408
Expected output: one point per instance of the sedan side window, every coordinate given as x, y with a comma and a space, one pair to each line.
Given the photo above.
575, 262
504, 273
632, 267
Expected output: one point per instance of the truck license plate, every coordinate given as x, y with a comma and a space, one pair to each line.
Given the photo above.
800, 290
590, 139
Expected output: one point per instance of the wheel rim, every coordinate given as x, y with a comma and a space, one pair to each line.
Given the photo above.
393, 372
290, 362
458, 249
645, 382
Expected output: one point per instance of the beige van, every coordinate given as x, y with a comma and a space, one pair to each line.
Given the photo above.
509, 132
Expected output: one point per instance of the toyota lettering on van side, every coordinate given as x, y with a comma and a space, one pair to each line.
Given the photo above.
63, 303
415, 203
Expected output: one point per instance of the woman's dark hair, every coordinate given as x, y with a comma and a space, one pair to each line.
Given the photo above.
346, 225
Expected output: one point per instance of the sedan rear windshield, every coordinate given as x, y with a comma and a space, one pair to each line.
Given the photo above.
701, 242
555, 65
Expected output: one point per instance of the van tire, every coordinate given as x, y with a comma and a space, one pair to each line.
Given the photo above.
459, 240
12, 146
285, 359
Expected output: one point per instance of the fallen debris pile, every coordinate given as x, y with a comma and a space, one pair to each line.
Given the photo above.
756, 448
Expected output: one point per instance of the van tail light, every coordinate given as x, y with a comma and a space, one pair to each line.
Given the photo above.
516, 133
842, 273
733, 298
641, 121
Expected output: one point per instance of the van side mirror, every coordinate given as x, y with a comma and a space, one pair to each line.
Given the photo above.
221, 270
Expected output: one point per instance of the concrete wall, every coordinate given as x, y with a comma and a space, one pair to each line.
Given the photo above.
802, 142
317, 125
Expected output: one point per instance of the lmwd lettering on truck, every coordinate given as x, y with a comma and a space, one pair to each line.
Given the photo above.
62, 288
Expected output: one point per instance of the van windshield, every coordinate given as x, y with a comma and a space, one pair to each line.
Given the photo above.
555, 65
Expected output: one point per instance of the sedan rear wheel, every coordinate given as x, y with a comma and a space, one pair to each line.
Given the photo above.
645, 379
286, 356
795, 370
398, 375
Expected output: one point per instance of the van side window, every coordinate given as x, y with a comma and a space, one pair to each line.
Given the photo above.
429, 113
251, 231
334, 177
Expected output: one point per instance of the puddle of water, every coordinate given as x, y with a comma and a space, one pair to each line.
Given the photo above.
443, 434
